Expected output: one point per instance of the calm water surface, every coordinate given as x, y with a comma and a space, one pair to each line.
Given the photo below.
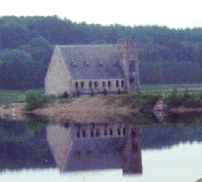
31, 152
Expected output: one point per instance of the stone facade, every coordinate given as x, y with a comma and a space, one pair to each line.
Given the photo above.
97, 67
58, 79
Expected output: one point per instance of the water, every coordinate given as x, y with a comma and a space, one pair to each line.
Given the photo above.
40, 151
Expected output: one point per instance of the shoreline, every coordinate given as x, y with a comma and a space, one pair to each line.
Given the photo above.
89, 109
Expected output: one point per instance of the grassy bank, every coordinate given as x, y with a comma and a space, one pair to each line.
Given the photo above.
11, 96
174, 95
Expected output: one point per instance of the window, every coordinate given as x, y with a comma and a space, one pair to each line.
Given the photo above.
78, 134
95, 84
82, 85
97, 133
76, 85
90, 84
118, 131
122, 83
124, 131
105, 132
130, 68
134, 147
92, 133
133, 68
84, 133
109, 84
117, 83
103, 84
111, 131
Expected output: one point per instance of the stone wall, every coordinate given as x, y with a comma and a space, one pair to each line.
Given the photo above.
98, 85
57, 79
128, 51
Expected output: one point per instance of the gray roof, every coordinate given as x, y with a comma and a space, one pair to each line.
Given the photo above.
92, 61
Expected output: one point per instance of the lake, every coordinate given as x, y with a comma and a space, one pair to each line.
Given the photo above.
39, 151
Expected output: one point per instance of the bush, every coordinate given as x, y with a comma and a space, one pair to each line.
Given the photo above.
185, 99
144, 101
78, 93
104, 92
119, 91
34, 100
174, 99
65, 95
92, 93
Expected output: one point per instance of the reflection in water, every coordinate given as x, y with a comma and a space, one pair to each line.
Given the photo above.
82, 147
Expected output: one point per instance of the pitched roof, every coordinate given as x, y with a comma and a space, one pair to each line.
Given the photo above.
92, 61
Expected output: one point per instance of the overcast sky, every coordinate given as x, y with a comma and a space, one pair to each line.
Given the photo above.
172, 13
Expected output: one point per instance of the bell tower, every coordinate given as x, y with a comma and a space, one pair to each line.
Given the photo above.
128, 52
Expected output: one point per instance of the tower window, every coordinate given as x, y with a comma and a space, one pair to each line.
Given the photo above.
130, 68
78, 134
92, 133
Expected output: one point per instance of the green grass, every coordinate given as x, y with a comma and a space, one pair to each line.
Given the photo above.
64, 101
11, 96
169, 87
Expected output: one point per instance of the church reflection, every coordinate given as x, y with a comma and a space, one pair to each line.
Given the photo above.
90, 146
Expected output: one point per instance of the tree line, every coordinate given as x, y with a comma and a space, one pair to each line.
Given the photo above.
26, 45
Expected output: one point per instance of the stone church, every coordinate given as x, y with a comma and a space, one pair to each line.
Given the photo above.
94, 67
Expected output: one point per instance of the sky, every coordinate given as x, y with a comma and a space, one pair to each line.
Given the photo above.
172, 13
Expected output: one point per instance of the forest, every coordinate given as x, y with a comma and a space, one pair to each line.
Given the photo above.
166, 56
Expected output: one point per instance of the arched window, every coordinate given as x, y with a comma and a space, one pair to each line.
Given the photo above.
103, 84
95, 84
109, 84
76, 85
78, 134
118, 131
117, 83
84, 133
105, 132
82, 85
111, 131
97, 133
92, 133
122, 83
90, 84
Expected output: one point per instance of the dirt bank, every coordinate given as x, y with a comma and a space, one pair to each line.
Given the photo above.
89, 109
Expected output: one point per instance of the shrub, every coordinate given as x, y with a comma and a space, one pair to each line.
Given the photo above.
174, 99
92, 93
144, 101
119, 91
65, 95
34, 100
78, 93
104, 92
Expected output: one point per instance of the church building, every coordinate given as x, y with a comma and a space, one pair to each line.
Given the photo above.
87, 68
